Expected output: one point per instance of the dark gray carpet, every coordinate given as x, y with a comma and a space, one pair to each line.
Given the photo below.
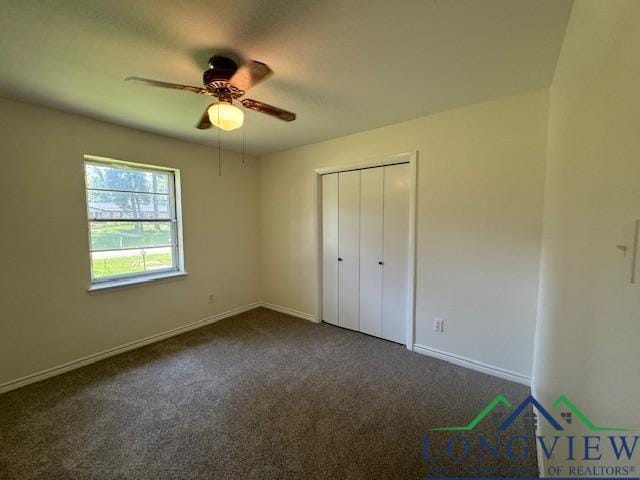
258, 396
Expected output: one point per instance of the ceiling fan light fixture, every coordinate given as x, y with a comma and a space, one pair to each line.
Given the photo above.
226, 116
227, 82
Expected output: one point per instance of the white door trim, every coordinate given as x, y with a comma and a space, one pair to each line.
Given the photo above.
411, 158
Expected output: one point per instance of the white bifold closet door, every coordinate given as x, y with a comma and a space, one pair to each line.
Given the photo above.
349, 249
330, 248
384, 251
365, 222
395, 274
371, 251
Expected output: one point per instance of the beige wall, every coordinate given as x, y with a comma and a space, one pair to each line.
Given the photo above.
587, 345
480, 201
47, 316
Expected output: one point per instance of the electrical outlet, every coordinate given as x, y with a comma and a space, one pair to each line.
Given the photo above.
438, 325
211, 298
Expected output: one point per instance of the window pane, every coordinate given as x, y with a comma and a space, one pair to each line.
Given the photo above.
111, 235
126, 179
116, 205
127, 262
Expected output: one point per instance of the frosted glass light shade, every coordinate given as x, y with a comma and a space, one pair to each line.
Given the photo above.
226, 116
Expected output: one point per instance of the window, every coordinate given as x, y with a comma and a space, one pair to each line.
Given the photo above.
134, 221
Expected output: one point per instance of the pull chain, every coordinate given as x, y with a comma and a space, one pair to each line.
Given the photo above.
243, 131
219, 148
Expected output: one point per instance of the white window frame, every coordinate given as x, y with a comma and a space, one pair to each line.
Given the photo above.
175, 193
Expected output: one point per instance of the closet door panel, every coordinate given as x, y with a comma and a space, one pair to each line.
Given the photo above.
371, 235
349, 249
330, 248
396, 252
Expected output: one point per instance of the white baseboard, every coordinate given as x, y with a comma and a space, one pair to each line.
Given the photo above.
473, 364
81, 362
288, 311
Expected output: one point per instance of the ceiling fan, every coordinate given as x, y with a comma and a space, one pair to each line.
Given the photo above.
228, 83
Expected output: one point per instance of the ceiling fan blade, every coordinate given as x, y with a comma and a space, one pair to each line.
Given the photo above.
250, 74
174, 86
268, 109
204, 122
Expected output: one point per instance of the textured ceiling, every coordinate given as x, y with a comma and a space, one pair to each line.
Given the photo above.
343, 66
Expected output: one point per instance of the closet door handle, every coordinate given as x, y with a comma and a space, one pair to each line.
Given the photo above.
339, 259
380, 263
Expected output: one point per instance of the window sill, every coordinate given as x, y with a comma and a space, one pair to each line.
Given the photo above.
134, 281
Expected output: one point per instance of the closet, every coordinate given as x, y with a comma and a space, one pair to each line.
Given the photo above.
365, 250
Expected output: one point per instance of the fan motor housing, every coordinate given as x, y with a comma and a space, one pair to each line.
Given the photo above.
216, 77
